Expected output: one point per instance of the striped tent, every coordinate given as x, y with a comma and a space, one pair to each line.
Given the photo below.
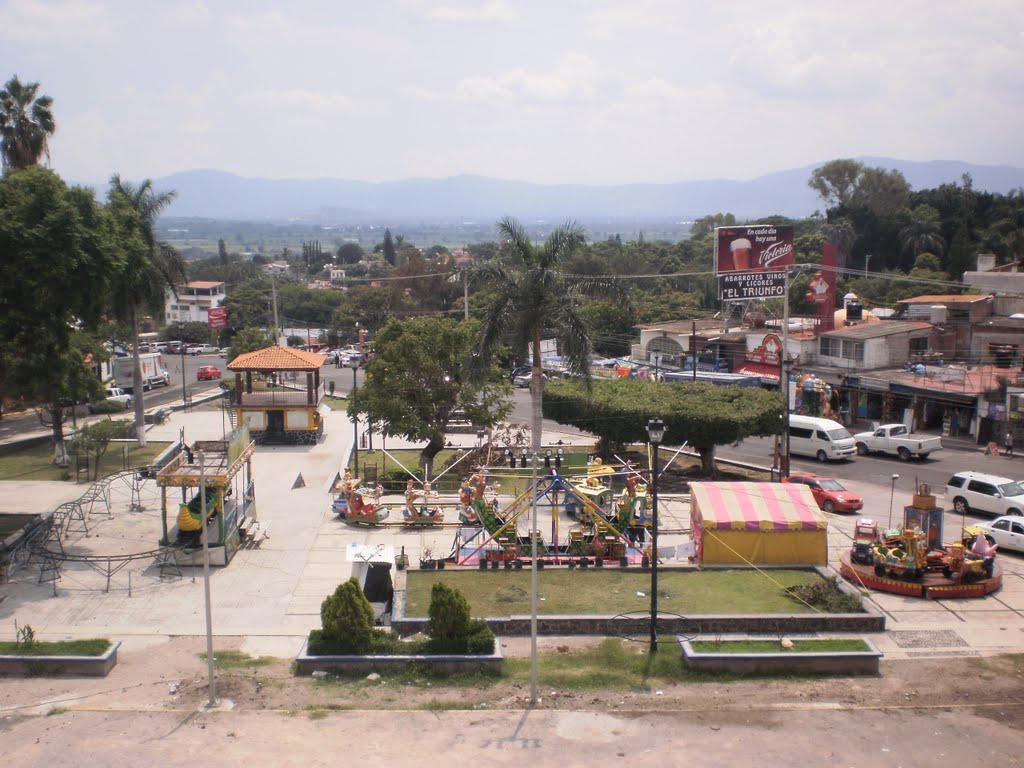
757, 524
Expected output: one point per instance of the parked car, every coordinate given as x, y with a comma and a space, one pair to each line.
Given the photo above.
896, 438
225, 351
522, 370
978, 492
525, 379
207, 372
117, 395
1006, 531
203, 349
173, 347
830, 494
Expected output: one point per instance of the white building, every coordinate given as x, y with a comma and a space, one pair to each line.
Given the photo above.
193, 302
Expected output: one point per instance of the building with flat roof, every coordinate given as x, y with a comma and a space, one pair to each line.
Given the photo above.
194, 301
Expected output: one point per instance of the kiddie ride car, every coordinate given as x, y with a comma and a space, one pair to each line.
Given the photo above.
904, 554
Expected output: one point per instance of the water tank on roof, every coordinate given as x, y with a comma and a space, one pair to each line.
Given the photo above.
937, 314
854, 311
848, 298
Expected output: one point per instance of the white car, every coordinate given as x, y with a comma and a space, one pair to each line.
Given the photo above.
979, 492
204, 349
1007, 531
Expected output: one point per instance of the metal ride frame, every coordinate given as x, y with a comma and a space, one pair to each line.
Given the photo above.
548, 487
45, 544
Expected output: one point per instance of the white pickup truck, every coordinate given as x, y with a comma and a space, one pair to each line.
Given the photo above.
118, 395
897, 439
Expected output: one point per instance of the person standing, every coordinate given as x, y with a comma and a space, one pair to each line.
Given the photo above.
1008, 444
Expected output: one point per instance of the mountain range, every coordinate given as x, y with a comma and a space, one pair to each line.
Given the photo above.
220, 195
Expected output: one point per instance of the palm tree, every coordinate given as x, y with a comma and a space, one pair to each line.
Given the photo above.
151, 268
532, 296
26, 123
923, 233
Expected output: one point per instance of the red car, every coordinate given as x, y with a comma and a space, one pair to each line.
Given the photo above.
830, 494
207, 372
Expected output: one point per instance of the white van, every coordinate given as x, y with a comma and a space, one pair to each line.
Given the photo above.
823, 439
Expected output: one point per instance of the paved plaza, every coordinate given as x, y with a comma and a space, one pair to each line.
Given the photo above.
269, 596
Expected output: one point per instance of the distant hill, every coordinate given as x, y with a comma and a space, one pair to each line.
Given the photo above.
219, 195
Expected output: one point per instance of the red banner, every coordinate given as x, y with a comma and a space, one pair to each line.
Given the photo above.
218, 317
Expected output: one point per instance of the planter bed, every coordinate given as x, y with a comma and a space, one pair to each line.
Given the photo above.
18, 665
490, 663
840, 663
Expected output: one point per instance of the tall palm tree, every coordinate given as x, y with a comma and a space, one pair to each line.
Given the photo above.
531, 297
151, 269
922, 234
26, 123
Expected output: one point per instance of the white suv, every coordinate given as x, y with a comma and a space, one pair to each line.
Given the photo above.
978, 492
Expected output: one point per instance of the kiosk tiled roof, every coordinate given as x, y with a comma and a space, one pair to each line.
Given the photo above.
277, 359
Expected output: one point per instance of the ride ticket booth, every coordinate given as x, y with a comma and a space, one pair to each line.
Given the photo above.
225, 467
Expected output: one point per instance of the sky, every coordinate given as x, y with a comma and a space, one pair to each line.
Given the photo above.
547, 91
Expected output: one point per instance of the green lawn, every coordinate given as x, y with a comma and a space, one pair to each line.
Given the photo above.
773, 646
612, 590
36, 462
95, 647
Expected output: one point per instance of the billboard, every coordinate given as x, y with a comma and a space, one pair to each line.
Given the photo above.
218, 317
750, 261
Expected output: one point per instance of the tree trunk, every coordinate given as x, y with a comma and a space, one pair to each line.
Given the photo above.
137, 387
428, 453
707, 461
60, 449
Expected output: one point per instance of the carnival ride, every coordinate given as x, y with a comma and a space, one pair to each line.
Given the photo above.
605, 522
912, 561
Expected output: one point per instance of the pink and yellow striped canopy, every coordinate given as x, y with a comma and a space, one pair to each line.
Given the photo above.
755, 507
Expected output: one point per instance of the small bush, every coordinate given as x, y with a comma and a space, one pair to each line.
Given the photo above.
106, 407
347, 619
826, 595
481, 639
448, 625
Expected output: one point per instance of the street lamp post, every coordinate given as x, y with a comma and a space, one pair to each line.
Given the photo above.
657, 363
892, 495
656, 433
354, 362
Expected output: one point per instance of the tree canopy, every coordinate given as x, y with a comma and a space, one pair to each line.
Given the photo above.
701, 415
26, 124
423, 372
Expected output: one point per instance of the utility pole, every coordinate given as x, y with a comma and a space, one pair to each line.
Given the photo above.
206, 581
693, 349
273, 294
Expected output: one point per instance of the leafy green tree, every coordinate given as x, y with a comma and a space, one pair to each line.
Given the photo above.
702, 415
531, 296
57, 250
147, 273
350, 253
880, 191
250, 304
706, 225
250, 340
92, 440
424, 370
222, 252
347, 618
26, 124
449, 619
836, 181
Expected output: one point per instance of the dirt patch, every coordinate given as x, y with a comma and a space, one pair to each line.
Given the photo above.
173, 676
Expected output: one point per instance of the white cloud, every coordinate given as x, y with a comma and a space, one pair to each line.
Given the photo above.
186, 13
576, 78
38, 21
495, 10
298, 98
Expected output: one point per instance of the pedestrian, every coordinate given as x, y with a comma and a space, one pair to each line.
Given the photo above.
1008, 444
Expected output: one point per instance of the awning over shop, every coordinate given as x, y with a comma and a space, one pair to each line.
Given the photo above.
763, 370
